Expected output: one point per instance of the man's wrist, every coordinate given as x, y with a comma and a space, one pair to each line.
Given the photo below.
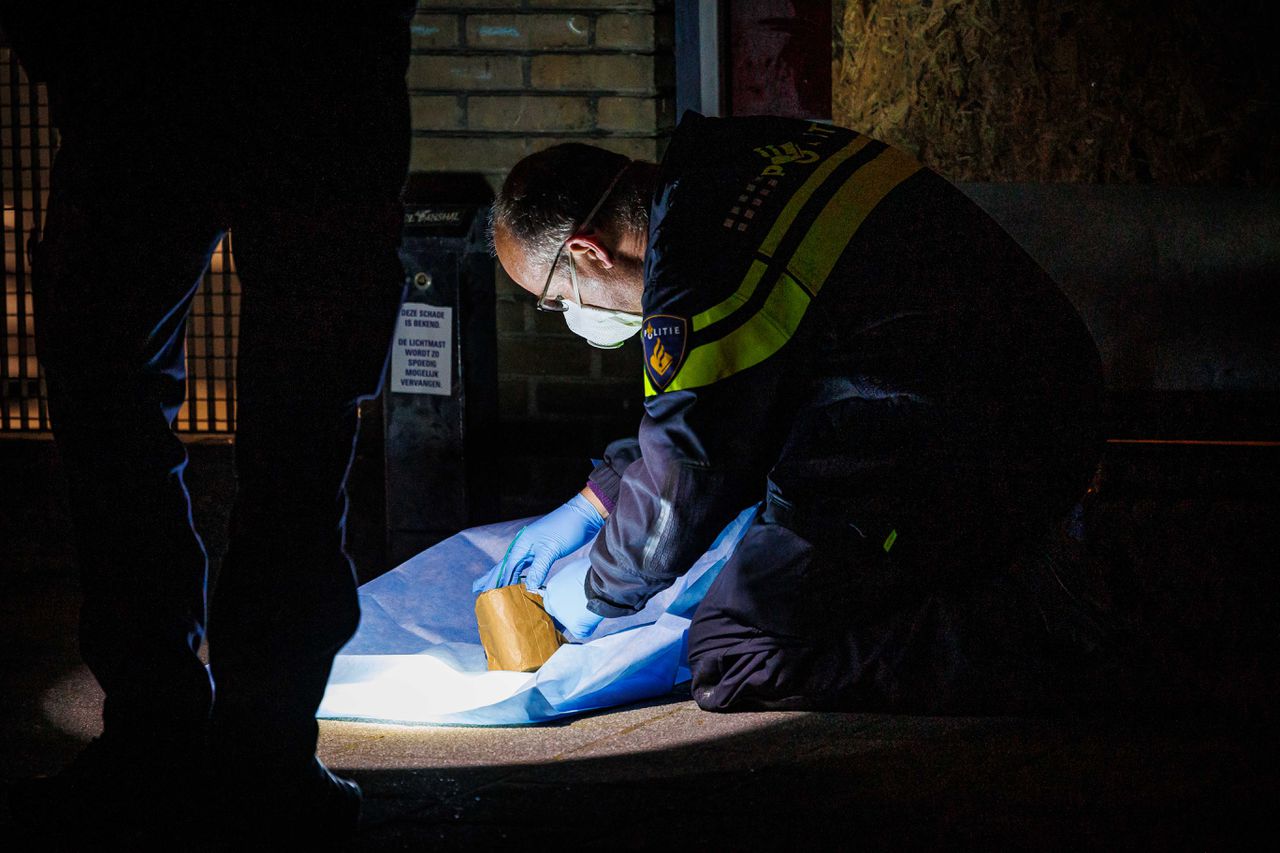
595, 500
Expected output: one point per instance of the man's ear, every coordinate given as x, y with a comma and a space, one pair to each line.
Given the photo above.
590, 244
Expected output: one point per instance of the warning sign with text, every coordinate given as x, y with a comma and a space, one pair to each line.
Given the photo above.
422, 352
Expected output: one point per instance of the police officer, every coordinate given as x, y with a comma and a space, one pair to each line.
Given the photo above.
288, 124
839, 334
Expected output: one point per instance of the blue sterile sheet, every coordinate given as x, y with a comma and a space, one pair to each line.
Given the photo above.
416, 657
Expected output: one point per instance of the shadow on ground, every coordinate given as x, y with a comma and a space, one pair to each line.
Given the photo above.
1186, 543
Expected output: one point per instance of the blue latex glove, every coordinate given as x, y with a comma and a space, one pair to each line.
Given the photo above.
538, 545
565, 598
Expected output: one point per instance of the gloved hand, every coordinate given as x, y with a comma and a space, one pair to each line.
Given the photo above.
565, 598
561, 531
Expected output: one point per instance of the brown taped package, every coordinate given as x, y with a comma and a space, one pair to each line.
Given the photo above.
516, 632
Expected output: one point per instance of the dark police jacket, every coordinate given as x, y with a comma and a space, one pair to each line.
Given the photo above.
794, 265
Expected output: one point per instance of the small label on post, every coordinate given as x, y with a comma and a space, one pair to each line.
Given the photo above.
422, 350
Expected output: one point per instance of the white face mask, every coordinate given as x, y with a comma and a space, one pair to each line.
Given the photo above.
602, 327
605, 328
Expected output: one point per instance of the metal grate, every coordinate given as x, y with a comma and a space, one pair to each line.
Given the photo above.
213, 330
27, 144
27, 141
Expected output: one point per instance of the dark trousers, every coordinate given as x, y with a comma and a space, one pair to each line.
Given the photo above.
890, 585
129, 231
784, 628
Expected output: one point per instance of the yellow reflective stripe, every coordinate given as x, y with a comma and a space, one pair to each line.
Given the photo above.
649, 390
809, 267
777, 233
818, 252
749, 344
801, 196
734, 302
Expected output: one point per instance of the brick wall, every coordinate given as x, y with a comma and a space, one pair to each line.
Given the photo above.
492, 81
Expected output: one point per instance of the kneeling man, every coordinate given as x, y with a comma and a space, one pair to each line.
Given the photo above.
837, 332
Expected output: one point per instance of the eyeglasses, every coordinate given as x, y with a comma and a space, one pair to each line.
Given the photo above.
557, 303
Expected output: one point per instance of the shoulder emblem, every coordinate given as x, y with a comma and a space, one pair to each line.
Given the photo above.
665, 338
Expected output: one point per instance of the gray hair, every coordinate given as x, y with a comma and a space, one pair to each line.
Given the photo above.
549, 193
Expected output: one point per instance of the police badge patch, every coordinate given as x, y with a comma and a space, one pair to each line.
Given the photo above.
665, 341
